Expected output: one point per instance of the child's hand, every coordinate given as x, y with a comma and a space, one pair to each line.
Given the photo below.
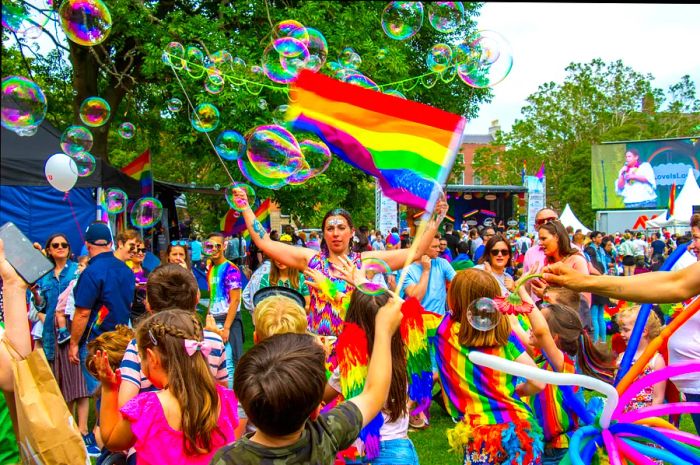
211, 324
109, 379
389, 316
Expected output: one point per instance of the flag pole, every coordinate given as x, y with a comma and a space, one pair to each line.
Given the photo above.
412, 251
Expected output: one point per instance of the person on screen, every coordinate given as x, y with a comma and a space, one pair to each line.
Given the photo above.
636, 182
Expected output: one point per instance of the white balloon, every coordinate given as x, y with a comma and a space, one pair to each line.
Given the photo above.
60, 171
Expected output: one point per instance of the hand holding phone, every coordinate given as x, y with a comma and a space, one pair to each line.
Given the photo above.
29, 263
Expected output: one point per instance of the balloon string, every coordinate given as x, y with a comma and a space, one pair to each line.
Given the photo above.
216, 152
75, 218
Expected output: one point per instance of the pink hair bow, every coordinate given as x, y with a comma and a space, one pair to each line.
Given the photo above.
192, 346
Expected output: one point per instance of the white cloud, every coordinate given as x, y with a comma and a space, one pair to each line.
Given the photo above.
651, 38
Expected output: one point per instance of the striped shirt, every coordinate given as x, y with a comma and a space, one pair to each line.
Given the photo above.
131, 363
557, 420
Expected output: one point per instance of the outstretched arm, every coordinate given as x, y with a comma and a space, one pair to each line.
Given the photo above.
293, 256
654, 287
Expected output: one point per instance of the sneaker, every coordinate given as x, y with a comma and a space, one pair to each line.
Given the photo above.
91, 445
63, 336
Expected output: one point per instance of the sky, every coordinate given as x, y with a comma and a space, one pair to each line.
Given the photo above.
546, 37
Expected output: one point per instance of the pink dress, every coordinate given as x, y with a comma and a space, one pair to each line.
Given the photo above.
157, 442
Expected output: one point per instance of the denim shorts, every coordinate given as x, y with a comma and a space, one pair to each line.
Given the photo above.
392, 452
91, 383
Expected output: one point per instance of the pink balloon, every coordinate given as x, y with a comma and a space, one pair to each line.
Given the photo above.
613, 453
670, 371
660, 410
681, 436
632, 455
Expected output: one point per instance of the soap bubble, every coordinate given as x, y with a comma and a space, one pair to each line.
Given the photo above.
85, 22
273, 151
174, 54
317, 48
483, 314
29, 131
214, 87
252, 175
317, 158
146, 212
485, 61
25, 17
195, 62
273, 69
230, 144
381, 54
445, 16
439, 57
115, 201
262, 104
402, 20
395, 93
290, 28
205, 117
371, 267
174, 105
289, 46
85, 164
361, 80
94, 111
127, 130
23, 104
279, 114
239, 206
76, 139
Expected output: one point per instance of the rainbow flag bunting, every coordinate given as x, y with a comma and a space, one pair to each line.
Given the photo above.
140, 169
232, 222
408, 146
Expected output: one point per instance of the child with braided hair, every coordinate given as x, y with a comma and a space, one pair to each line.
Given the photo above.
190, 417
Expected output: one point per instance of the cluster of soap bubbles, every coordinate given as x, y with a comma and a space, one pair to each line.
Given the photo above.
293, 47
85, 22
23, 105
146, 212
26, 18
403, 20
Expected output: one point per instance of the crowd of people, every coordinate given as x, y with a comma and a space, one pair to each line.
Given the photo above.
163, 356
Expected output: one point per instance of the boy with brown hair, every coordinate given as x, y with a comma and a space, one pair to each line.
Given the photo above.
280, 383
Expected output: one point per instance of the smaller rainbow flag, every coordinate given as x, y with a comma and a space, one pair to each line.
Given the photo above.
233, 223
540, 173
671, 201
140, 169
471, 213
488, 213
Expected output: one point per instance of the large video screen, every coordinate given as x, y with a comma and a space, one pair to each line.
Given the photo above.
639, 175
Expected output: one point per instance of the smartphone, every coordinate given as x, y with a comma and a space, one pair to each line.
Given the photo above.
27, 261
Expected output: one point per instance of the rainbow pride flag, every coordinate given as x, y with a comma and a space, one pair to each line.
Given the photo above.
671, 201
140, 169
408, 146
233, 223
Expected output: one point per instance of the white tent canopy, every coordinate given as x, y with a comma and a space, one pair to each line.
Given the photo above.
568, 218
683, 210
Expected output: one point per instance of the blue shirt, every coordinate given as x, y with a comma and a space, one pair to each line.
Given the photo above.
435, 298
106, 287
479, 252
50, 288
196, 248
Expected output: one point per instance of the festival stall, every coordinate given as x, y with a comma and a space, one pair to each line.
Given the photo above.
683, 206
568, 218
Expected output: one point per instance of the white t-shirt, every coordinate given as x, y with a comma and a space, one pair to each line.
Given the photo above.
684, 345
388, 431
638, 191
640, 247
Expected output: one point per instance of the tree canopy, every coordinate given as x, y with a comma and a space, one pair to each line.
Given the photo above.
128, 71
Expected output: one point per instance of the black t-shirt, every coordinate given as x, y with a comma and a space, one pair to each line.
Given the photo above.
658, 246
452, 241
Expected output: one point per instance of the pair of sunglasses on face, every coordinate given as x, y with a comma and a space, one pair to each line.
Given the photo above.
61, 245
134, 249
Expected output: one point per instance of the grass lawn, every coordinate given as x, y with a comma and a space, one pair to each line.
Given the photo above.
431, 443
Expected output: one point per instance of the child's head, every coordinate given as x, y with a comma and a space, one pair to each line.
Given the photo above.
627, 317
173, 354
562, 296
466, 287
362, 312
278, 315
112, 343
280, 382
171, 286
82, 262
570, 336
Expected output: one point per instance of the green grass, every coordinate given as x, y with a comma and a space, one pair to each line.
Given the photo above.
431, 443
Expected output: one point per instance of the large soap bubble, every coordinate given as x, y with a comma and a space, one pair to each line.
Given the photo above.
174, 54
230, 144
485, 60
274, 152
402, 20
317, 158
85, 164
23, 104
115, 201
445, 16
85, 22
205, 117
26, 18
94, 111
372, 267
318, 50
146, 212
483, 314
76, 139
439, 57
236, 205
252, 175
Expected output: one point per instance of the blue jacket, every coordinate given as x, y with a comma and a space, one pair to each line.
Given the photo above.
50, 288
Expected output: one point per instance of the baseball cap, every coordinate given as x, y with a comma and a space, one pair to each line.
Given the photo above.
271, 291
98, 234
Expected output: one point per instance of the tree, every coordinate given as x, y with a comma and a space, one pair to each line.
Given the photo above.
597, 102
127, 70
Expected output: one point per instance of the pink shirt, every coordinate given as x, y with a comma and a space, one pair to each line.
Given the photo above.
157, 442
535, 256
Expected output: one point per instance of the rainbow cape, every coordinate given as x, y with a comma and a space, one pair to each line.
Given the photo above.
408, 146
140, 169
418, 364
232, 222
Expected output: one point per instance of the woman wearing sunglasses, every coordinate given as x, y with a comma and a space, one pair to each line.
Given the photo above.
496, 260
138, 307
177, 253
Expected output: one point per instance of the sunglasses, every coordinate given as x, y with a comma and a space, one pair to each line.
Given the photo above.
141, 250
503, 252
181, 243
61, 245
542, 221
212, 245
